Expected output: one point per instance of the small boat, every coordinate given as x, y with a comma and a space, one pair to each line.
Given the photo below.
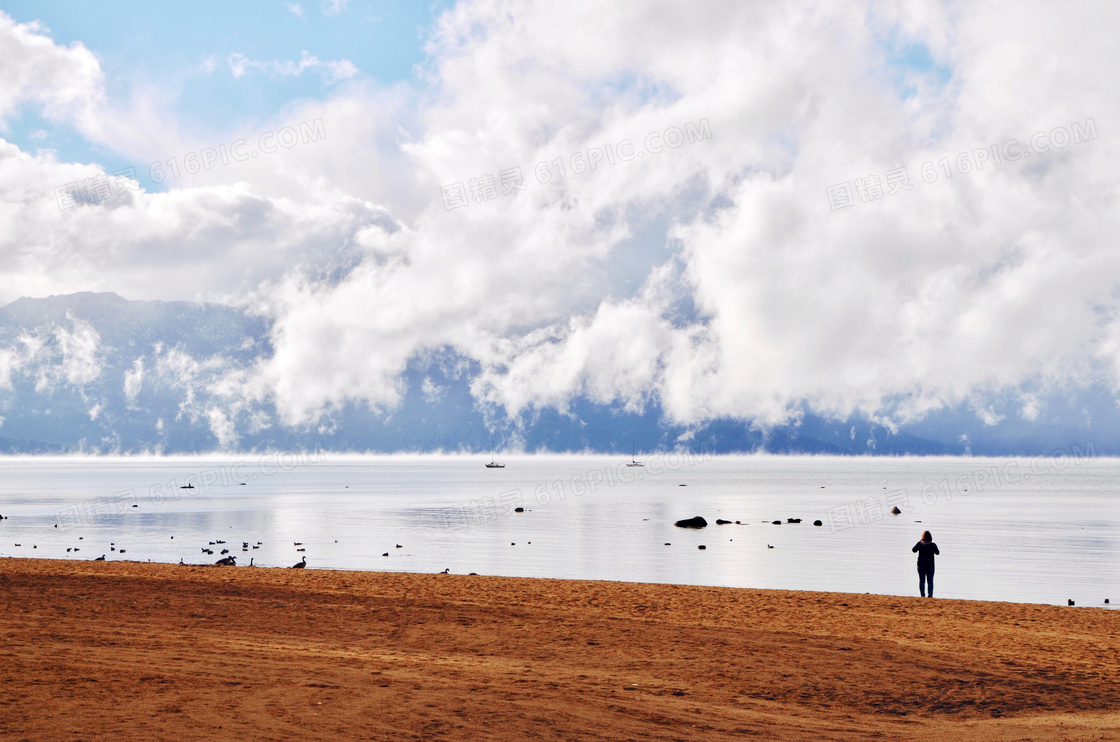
495, 465
634, 457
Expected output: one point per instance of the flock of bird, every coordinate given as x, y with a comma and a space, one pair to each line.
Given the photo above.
231, 559
227, 560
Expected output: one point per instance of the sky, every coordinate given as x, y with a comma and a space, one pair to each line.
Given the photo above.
732, 210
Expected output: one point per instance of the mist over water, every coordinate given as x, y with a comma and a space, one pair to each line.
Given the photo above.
1026, 530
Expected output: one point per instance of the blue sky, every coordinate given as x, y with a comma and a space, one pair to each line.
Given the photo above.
183, 50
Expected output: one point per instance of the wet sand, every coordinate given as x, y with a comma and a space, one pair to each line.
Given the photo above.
130, 651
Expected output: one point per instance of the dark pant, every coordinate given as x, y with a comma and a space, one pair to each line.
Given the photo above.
925, 576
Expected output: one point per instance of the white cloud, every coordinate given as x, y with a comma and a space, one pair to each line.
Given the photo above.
198, 242
80, 362
222, 427
68, 353
431, 391
295, 8
9, 361
66, 83
133, 381
332, 71
334, 7
714, 276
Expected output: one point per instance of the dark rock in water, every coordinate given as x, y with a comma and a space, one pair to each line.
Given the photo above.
1106, 601
793, 520
694, 522
896, 511
519, 510
473, 574
701, 546
817, 523
385, 554
738, 523
669, 544
722, 522
776, 522
1071, 601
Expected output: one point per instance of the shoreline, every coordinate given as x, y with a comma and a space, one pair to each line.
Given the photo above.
163, 651
345, 570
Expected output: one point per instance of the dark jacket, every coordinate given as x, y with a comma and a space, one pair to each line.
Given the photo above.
926, 550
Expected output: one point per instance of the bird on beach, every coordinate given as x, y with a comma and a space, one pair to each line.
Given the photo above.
100, 558
227, 561
300, 565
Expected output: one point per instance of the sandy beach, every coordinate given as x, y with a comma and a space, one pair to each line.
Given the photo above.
131, 651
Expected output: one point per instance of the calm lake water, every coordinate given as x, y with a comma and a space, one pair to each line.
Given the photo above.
1040, 531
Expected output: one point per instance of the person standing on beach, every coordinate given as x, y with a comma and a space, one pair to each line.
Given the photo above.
925, 550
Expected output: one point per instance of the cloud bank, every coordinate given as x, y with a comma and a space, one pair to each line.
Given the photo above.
883, 210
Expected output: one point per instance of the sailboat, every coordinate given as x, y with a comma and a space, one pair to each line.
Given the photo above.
634, 456
495, 465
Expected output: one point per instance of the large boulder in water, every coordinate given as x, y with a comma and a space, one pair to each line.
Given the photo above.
694, 522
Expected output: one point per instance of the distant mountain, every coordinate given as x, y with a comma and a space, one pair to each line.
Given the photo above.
98, 373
